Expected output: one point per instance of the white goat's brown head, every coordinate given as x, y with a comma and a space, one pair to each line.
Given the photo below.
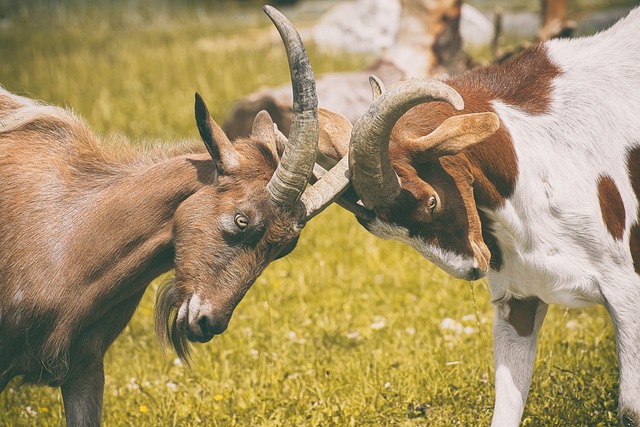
406, 171
252, 210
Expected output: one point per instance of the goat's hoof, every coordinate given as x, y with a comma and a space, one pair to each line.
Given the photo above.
629, 420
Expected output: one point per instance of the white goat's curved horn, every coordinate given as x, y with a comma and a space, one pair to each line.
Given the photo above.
327, 189
377, 87
295, 168
336, 194
372, 174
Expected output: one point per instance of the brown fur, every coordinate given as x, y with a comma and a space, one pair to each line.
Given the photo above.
84, 229
611, 206
522, 315
633, 165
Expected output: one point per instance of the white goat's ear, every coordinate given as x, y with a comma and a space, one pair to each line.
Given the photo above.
263, 130
454, 135
335, 134
222, 152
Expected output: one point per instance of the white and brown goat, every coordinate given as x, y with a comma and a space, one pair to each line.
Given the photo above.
533, 180
84, 229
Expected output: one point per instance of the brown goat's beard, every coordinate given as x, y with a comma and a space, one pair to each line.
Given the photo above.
168, 298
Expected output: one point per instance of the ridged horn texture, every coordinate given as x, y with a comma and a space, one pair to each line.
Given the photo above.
295, 168
341, 186
372, 174
377, 87
327, 189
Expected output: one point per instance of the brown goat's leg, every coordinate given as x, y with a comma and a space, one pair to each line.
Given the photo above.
82, 396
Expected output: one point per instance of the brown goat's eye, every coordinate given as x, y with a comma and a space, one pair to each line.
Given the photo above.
432, 203
241, 221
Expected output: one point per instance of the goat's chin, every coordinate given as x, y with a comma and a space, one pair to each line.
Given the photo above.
168, 300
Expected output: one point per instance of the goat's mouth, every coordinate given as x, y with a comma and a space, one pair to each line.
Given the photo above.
198, 321
482, 256
180, 319
182, 316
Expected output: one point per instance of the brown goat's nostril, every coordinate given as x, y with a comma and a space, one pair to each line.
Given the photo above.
204, 323
210, 325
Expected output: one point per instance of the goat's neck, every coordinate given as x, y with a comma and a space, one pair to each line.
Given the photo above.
134, 217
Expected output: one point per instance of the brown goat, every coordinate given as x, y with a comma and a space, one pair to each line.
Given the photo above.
84, 229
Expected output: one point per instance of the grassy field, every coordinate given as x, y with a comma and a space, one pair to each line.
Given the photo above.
348, 330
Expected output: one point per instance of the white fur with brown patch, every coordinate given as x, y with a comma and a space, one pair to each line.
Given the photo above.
550, 234
554, 244
455, 264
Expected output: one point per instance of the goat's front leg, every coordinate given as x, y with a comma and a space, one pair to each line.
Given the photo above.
82, 396
515, 333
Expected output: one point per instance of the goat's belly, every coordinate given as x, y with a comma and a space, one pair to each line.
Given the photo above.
565, 284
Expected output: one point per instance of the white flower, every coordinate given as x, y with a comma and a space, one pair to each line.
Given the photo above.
172, 386
448, 324
485, 378
355, 335
411, 331
379, 322
132, 385
468, 318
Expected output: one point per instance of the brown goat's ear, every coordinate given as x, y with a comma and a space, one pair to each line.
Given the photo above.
263, 130
335, 134
223, 154
454, 135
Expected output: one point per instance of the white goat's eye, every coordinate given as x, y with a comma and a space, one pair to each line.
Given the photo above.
241, 221
431, 203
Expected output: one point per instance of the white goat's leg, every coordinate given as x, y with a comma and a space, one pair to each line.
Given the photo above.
623, 308
82, 396
515, 333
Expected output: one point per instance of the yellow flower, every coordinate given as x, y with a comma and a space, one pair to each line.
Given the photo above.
218, 397
144, 409
43, 409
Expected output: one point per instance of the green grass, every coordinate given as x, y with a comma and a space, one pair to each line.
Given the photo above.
348, 330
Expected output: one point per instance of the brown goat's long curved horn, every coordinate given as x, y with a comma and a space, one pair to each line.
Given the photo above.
372, 174
295, 168
330, 185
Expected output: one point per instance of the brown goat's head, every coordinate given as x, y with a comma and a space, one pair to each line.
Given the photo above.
251, 212
406, 172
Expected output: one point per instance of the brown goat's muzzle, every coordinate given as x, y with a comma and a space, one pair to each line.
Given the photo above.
199, 321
